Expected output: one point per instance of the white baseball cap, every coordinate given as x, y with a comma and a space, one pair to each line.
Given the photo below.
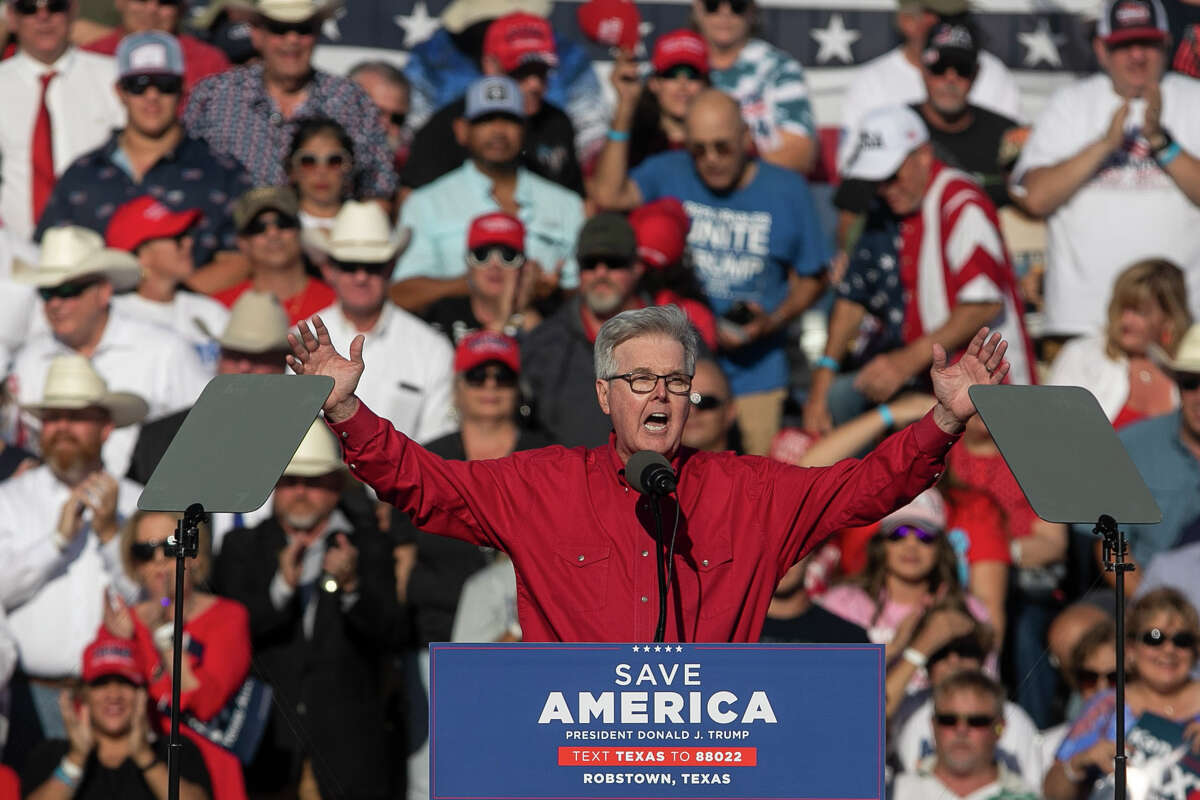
885, 138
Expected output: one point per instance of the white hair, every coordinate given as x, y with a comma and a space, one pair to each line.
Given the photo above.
667, 321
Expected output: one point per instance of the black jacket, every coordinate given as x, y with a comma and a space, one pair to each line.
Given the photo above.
328, 706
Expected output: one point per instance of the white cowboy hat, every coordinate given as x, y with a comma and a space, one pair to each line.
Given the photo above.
317, 455
1187, 354
257, 324
361, 233
289, 10
462, 14
71, 252
72, 383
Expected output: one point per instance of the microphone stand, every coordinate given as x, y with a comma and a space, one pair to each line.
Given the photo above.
660, 560
184, 544
1115, 549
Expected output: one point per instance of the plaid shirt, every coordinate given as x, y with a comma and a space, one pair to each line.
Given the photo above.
234, 114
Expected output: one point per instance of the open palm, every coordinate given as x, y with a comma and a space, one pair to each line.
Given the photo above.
982, 364
314, 354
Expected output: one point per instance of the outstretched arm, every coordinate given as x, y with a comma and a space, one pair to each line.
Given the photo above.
982, 364
314, 354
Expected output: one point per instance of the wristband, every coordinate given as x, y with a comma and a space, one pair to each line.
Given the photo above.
915, 657
1014, 551
70, 769
886, 413
62, 777
1167, 154
618, 136
827, 362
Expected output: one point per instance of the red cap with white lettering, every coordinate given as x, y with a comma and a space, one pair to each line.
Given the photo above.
496, 228
145, 218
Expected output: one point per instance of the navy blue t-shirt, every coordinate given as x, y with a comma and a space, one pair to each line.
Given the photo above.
743, 244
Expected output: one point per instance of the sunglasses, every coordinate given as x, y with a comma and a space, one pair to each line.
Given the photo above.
65, 291
505, 256
962, 69
977, 721
397, 118
904, 531
369, 267
531, 69
278, 28
611, 262
681, 71
143, 552
504, 375
722, 148
1156, 638
165, 84
1088, 679
27, 8
708, 402
306, 160
736, 6
1187, 381
260, 224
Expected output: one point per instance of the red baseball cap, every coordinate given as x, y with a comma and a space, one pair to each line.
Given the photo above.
484, 346
145, 218
496, 228
680, 47
1132, 21
519, 38
661, 230
611, 23
109, 655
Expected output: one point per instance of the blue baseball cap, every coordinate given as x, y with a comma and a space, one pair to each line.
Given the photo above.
149, 53
495, 94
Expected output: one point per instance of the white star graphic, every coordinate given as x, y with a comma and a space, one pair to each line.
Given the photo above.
1042, 45
635, 648
835, 41
329, 28
678, 649
418, 26
645, 28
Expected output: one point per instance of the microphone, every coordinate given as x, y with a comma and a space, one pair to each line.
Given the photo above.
650, 473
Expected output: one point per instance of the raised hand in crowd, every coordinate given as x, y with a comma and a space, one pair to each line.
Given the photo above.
314, 354
626, 80
81, 740
118, 617
97, 492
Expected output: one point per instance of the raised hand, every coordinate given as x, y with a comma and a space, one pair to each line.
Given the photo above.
982, 364
80, 738
314, 354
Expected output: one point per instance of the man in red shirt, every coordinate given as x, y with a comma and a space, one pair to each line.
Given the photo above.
581, 538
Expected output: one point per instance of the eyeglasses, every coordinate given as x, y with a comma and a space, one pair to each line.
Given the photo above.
504, 375
722, 148
165, 84
369, 267
277, 28
645, 382
681, 71
505, 256
260, 224
143, 552
65, 291
611, 262
1181, 639
1187, 381
708, 402
736, 6
1088, 679
307, 160
27, 8
976, 721
904, 531
963, 69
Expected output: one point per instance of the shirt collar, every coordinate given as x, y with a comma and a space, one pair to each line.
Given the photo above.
483, 184
36, 68
682, 454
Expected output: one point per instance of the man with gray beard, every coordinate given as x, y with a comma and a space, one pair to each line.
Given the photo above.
558, 353
59, 549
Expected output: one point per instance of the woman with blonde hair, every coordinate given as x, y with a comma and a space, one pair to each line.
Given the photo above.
216, 637
1148, 310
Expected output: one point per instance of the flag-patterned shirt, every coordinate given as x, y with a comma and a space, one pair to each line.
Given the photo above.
769, 85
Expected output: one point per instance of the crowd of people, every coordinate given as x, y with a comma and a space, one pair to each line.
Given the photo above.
177, 192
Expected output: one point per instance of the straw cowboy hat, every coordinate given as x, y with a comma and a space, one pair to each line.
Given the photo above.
71, 252
1187, 355
257, 324
72, 383
317, 455
462, 14
288, 10
361, 233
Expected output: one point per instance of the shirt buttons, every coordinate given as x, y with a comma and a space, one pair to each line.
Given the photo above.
354, 466
345, 434
645, 553
579, 557
645, 599
705, 562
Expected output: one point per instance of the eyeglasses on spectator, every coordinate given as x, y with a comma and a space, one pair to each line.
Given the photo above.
977, 721
738, 7
165, 84
505, 256
1155, 637
309, 160
281, 222
610, 262
279, 28
502, 374
905, 531
27, 8
66, 291
369, 267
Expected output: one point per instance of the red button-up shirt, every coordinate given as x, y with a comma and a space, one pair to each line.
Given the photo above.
582, 540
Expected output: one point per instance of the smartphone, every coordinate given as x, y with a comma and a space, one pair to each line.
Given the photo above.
739, 313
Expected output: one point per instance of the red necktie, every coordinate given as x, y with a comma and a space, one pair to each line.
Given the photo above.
43, 153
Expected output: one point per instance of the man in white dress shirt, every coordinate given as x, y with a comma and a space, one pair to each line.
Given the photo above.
411, 376
79, 98
77, 276
59, 548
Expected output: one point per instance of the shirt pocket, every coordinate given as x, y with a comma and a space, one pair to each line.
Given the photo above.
714, 568
584, 568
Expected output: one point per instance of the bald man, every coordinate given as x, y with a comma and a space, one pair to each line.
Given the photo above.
755, 240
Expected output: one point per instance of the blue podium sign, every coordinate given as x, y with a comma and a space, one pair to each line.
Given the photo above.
641, 722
